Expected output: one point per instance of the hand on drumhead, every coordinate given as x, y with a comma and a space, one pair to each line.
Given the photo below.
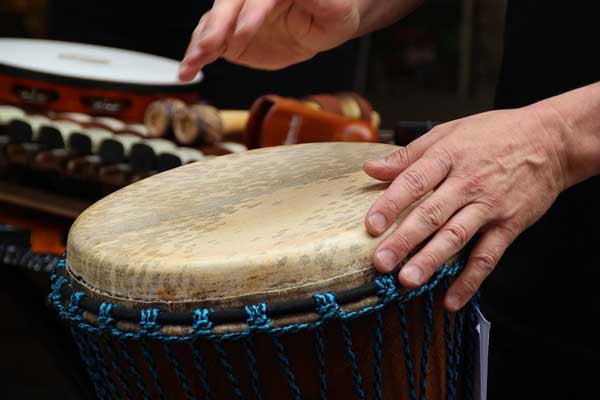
494, 173
269, 34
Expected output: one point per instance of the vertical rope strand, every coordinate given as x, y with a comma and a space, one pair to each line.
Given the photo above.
112, 352
378, 354
105, 321
172, 357
287, 369
201, 368
410, 371
92, 341
356, 377
224, 359
320, 352
152, 368
131, 364
448, 343
426, 340
458, 326
253, 368
84, 352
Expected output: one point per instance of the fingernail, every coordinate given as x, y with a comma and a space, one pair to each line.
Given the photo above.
452, 302
378, 222
387, 259
412, 274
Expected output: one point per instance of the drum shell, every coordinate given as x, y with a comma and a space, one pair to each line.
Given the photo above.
127, 104
300, 349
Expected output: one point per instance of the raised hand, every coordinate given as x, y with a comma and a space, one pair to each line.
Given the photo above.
269, 34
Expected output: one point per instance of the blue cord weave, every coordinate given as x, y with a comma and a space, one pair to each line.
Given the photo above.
258, 322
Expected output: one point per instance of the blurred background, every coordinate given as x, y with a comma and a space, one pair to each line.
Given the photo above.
438, 64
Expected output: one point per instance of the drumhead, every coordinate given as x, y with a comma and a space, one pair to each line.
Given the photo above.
45, 59
279, 223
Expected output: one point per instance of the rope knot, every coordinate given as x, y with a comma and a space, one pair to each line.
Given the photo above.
148, 324
327, 306
386, 287
73, 309
105, 318
202, 323
257, 316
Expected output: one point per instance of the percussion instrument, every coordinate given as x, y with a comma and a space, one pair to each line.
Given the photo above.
159, 116
204, 124
250, 276
81, 78
276, 120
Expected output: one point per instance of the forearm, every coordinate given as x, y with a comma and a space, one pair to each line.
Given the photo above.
377, 14
573, 118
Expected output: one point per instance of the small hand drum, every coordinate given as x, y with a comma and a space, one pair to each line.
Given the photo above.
249, 276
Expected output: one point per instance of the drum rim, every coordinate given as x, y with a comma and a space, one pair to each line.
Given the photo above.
94, 82
46, 77
233, 315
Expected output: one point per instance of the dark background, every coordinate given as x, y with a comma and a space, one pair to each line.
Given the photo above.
440, 63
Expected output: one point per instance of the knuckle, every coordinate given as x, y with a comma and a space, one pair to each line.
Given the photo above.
400, 157
473, 186
485, 261
431, 215
429, 261
415, 182
400, 243
456, 235
511, 228
467, 287
392, 205
444, 156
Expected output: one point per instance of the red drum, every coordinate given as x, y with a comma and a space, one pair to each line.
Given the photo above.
71, 77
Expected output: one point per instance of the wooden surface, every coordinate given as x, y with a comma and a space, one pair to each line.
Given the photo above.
41, 200
277, 223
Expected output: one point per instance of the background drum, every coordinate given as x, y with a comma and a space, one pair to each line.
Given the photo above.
96, 80
249, 276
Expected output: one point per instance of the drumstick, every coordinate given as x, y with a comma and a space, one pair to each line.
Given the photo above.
204, 124
144, 154
159, 117
117, 148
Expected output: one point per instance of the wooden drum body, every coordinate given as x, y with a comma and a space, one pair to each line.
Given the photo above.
249, 276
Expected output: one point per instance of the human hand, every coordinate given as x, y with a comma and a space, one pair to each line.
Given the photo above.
269, 34
495, 173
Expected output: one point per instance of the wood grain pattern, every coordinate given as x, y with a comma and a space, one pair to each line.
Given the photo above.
278, 223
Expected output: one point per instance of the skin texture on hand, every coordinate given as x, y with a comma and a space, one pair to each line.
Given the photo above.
273, 34
269, 34
494, 174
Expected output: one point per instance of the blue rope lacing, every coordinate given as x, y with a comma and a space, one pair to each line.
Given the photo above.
258, 321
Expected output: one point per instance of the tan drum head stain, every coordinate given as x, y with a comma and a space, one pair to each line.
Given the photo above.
278, 223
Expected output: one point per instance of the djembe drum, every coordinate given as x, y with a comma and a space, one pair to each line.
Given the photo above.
250, 276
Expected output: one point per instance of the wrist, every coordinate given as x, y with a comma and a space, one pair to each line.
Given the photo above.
572, 121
